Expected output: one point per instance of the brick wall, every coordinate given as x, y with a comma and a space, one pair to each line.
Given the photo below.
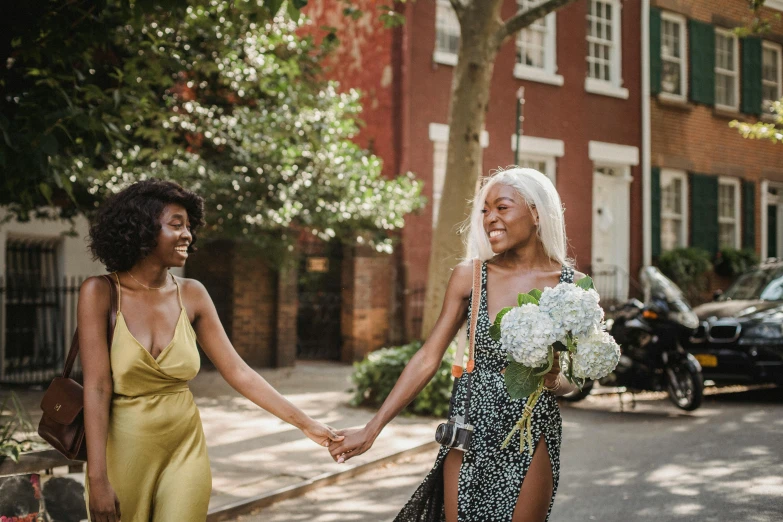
697, 138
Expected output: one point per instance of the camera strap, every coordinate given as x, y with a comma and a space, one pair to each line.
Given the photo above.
457, 370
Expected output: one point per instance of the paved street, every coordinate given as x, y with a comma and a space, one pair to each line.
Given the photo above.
719, 464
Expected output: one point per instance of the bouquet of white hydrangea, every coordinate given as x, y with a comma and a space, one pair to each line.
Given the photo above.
566, 318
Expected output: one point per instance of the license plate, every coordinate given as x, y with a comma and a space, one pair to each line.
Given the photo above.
706, 360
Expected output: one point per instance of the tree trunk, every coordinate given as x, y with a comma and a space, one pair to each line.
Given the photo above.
480, 24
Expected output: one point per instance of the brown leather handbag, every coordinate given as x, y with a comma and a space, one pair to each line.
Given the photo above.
62, 424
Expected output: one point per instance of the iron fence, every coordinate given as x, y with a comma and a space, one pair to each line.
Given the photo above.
37, 320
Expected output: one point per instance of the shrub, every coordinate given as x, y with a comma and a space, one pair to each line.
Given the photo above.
730, 262
375, 376
688, 268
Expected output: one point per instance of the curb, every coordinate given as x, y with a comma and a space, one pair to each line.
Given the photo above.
247, 505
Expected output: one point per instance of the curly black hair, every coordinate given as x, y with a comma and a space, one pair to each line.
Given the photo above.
126, 227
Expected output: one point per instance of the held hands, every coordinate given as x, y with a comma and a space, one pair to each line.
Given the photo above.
322, 434
104, 504
552, 378
357, 441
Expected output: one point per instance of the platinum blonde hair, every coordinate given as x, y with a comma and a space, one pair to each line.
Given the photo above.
537, 190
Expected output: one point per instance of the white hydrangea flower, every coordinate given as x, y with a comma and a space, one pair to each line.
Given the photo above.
526, 333
596, 355
572, 309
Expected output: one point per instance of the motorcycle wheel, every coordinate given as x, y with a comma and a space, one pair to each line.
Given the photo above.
578, 395
685, 386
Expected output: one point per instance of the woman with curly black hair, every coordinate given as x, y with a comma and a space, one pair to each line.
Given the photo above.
146, 452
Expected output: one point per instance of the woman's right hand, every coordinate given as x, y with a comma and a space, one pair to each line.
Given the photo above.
104, 504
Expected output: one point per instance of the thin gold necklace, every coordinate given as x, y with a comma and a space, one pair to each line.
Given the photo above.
150, 287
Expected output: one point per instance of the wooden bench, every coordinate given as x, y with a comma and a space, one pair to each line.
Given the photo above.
36, 461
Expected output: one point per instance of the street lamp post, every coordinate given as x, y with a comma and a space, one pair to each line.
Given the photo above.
520, 119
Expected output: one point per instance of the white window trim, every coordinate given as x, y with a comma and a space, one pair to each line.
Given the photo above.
683, 177
549, 73
438, 56
612, 153
724, 180
440, 132
531, 145
735, 40
779, 50
774, 4
540, 149
614, 88
678, 19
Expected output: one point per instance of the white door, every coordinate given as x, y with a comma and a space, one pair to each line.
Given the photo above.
611, 231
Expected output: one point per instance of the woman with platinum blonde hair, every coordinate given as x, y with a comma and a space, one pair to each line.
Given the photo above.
516, 229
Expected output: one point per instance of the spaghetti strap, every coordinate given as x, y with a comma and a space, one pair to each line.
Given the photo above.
119, 293
179, 294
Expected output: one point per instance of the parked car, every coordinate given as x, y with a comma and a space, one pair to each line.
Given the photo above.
740, 339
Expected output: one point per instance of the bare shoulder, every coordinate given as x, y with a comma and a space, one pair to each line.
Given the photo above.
578, 275
95, 290
461, 281
192, 288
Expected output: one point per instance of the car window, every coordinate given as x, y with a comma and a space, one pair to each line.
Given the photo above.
758, 284
748, 286
773, 291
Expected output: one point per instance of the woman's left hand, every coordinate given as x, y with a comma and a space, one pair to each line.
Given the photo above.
321, 434
551, 378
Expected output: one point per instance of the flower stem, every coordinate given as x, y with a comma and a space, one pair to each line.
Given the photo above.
525, 424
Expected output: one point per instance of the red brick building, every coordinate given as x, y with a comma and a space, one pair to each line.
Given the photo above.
581, 72
709, 187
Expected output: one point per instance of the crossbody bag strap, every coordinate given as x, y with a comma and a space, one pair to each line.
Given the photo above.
456, 369
112, 321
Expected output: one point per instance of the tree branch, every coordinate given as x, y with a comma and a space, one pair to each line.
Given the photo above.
524, 18
458, 6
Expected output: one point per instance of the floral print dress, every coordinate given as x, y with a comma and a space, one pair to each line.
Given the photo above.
490, 477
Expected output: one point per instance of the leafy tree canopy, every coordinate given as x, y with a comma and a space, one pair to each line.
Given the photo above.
218, 95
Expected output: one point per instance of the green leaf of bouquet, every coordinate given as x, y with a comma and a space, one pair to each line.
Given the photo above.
521, 381
536, 293
550, 361
586, 283
494, 330
526, 298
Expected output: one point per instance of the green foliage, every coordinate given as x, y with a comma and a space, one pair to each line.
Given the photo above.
687, 267
731, 262
586, 283
14, 430
375, 376
521, 381
220, 96
763, 130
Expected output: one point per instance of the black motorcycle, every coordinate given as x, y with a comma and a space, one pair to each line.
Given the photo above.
651, 336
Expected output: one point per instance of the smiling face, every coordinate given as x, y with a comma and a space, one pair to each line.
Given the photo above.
174, 237
508, 221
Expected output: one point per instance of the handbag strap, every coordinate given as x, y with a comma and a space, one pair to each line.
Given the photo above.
456, 369
74, 351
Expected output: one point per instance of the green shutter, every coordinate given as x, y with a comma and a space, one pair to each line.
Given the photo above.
772, 231
655, 51
751, 76
702, 61
749, 215
655, 210
704, 212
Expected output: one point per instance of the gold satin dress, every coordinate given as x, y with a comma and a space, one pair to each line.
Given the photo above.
156, 453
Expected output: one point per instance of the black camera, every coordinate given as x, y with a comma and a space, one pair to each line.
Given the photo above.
454, 433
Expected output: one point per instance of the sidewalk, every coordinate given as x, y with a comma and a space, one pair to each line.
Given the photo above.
253, 454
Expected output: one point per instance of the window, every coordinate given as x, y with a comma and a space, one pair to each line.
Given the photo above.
726, 70
439, 135
674, 215
438, 176
536, 54
770, 74
673, 61
446, 34
728, 213
603, 49
539, 153
544, 165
